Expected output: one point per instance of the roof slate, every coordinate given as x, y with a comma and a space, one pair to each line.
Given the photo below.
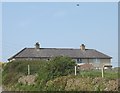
53, 52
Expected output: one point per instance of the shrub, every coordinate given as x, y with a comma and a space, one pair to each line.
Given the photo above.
61, 66
13, 70
46, 70
58, 66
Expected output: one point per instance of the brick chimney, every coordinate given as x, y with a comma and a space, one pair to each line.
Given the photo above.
37, 45
82, 47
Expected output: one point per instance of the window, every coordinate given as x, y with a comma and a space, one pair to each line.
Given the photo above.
79, 60
96, 63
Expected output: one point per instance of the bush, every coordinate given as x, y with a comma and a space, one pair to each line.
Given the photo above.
13, 70
61, 66
58, 66
46, 70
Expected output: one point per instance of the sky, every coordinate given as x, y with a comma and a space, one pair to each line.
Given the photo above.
0, 31
59, 0
60, 25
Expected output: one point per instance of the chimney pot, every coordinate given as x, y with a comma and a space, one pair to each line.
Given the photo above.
37, 45
82, 47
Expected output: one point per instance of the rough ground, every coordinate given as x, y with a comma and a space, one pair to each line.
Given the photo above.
29, 79
83, 84
0, 89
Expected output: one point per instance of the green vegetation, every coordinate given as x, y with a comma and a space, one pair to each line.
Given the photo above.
97, 73
46, 70
0, 73
56, 74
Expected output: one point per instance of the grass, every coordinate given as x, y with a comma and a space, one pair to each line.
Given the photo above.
0, 73
98, 73
0, 77
48, 72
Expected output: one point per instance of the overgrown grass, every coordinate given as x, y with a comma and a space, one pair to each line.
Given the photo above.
48, 71
13, 70
91, 73
98, 73
0, 73
45, 70
0, 77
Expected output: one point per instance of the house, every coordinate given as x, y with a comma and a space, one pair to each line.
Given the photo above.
81, 55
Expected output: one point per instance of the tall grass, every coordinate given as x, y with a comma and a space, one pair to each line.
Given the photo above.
98, 73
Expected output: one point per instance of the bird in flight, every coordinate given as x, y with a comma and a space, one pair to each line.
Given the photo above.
77, 4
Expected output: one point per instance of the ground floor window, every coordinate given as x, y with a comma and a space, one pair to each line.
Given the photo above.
97, 61
79, 60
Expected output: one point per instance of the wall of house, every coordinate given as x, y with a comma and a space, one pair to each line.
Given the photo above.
30, 59
100, 62
96, 62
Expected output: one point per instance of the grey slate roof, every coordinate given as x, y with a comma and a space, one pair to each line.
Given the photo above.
53, 52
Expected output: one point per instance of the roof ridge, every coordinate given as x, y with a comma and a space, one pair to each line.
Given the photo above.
59, 48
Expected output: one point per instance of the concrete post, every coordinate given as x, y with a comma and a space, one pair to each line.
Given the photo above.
28, 69
75, 70
102, 72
